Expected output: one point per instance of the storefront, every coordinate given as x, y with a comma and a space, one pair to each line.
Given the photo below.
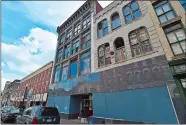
178, 69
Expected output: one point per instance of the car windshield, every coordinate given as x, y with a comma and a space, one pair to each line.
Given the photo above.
14, 111
49, 111
6, 109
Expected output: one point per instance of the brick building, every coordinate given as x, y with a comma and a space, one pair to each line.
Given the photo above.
34, 87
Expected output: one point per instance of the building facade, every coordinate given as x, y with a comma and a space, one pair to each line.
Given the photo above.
130, 79
34, 87
73, 58
170, 24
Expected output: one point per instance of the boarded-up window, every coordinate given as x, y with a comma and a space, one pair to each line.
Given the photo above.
104, 55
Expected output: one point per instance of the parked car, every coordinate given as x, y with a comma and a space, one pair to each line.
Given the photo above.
39, 115
10, 115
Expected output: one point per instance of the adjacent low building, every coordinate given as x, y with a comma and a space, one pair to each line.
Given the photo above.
34, 87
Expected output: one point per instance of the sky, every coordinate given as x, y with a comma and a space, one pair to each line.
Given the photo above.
29, 34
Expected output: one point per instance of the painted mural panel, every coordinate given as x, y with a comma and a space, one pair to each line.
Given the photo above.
143, 74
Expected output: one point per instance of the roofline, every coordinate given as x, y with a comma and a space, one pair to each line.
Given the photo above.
37, 70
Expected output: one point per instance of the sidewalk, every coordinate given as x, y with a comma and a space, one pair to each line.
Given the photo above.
71, 121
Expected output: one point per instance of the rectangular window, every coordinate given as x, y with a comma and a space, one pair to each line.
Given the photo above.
85, 41
102, 28
62, 40
75, 47
57, 74
85, 63
177, 39
67, 51
164, 11
59, 55
77, 29
69, 34
86, 22
73, 68
183, 3
64, 72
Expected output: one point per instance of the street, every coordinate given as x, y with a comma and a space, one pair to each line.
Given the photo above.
62, 121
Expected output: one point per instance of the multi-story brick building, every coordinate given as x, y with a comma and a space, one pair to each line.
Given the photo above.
130, 80
35, 87
73, 59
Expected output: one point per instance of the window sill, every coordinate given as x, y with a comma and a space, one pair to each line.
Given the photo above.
170, 21
181, 56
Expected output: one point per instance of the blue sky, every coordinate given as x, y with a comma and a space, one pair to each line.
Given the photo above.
29, 34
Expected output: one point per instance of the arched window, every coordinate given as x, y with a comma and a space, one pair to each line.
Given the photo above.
139, 41
131, 12
104, 55
102, 28
119, 49
115, 21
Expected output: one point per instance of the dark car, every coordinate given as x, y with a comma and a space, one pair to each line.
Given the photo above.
10, 115
39, 115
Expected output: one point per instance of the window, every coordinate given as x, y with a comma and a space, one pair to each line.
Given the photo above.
62, 38
120, 49
57, 74
59, 55
85, 41
115, 21
77, 29
73, 68
85, 63
139, 41
177, 39
75, 47
86, 21
69, 34
131, 12
183, 3
67, 51
64, 71
104, 55
102, 28
164, 11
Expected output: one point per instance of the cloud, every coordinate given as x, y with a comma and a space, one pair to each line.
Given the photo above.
19, 56
50, 13
2, 64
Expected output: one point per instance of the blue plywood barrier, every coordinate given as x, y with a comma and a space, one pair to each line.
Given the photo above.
151, 105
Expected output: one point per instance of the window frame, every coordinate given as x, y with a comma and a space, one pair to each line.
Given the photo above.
69, 34
62, 38
76, 42
164, 13
68, 54
64, 65
131, 12
71, 62
115, 19
87, 43
77, 28
178, 41
103, 28
87, 21
61, 57
85, 57
103, 57
139, 43
57, 68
